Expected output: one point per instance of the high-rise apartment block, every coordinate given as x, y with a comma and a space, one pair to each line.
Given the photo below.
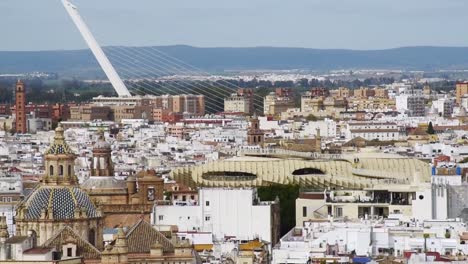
411, 101
278, 101
461, 90
240, 102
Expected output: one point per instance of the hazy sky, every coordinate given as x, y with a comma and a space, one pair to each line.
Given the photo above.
351, 24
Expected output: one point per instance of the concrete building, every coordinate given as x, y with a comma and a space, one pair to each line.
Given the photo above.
461, 90
90, 113
225, 213
326, 127
39, 124
341, 92
412, 101
188, 103
373, 131
421, 201
363, 92
240, 102
358, 242
278, 101
311, 103
121, 112
11, 192
371, 104
444, 106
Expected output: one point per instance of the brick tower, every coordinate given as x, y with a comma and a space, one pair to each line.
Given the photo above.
20, 104
255, 135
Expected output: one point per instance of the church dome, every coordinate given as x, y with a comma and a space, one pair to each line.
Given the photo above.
59, 147
101, 143
59, 203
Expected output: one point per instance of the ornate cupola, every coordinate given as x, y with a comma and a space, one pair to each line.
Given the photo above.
59, 162
59, 201
101, 164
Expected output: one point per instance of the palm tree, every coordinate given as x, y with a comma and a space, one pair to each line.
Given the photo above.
426, 236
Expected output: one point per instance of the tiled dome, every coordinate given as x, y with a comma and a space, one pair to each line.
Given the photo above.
59, 146
61, 200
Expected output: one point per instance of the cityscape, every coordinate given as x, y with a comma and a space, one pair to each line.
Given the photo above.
175, 154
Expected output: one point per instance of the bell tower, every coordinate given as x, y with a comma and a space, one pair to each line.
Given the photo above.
60, 162
255, 135
101, 164
20, 111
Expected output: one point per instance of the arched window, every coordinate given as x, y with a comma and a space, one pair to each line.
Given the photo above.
92, 237
51, 170
33, 236
69, 171
61, 170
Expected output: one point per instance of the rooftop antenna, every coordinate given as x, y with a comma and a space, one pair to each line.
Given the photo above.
101, 57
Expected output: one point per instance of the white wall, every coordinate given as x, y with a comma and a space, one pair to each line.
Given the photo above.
422, 208
225, 212
327, 128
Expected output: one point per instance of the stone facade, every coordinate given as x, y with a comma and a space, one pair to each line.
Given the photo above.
58, 201
123, 202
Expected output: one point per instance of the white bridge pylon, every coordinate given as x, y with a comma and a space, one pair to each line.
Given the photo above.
101, 57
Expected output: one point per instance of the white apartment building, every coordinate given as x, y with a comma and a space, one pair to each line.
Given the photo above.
333, 241
11, 190
444, 106
416, 200
225, 213
411, 101
432, 150
238, 104
326, 127
383, 131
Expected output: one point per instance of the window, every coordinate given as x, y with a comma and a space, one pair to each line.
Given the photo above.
207, 218
304, 211
207, 203
51, 170
338, 212
61, 170
69, 252
151, 194
69, 171
161, 217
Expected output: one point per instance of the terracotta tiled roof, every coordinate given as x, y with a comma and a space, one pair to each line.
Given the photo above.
142, 236
88, 251
37, 250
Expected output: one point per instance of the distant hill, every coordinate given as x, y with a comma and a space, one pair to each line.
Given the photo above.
81, 62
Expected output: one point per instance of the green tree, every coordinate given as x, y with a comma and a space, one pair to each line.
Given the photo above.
311, 117
430, 129
426, 236
287, 195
